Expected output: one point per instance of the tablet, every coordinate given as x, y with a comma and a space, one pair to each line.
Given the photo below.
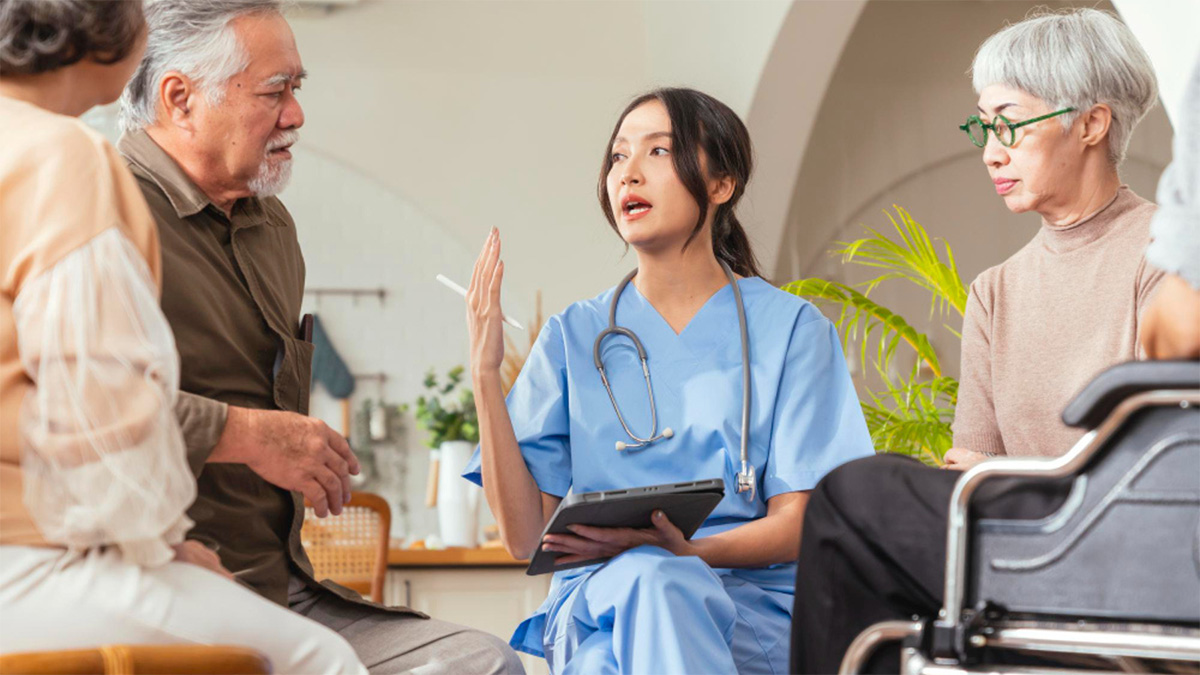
686, 506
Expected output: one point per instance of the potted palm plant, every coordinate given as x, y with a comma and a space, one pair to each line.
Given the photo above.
453, 433
908, 413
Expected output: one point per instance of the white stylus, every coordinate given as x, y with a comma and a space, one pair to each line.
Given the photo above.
463, 292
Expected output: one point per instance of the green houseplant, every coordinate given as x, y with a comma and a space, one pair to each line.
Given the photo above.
908, 413
453, 421
453, 432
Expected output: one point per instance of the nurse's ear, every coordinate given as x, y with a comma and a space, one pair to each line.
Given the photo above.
720, 189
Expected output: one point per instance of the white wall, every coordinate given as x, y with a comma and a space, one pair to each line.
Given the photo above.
806, 52
496, 113
1170, 32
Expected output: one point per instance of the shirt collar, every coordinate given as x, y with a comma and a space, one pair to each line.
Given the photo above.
184, 195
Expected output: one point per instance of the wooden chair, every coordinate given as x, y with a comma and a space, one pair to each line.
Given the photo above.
138, 660
351, 549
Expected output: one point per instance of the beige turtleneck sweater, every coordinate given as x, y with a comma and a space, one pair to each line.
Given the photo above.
1043, 323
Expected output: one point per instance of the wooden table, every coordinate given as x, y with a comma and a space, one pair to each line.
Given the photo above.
452, 557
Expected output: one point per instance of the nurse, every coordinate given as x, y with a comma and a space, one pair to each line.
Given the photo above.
676, 165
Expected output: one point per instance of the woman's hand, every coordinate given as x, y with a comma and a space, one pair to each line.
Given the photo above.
194, 552
962, 459
484, 317
1171, 324
589, 543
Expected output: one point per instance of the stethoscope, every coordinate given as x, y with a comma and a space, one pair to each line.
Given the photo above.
745, 477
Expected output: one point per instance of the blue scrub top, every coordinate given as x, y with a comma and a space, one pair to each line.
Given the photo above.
805, 417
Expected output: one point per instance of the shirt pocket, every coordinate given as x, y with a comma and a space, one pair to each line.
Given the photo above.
292, 382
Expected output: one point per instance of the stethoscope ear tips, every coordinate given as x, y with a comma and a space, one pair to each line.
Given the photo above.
621, 446
667, 433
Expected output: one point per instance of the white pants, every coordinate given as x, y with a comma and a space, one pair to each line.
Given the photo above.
51, 599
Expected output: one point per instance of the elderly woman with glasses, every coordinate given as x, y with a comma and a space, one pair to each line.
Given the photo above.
1059, 97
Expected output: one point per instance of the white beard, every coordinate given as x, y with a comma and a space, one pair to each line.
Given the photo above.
272, 178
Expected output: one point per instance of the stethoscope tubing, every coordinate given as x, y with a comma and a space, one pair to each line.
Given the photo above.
614, 329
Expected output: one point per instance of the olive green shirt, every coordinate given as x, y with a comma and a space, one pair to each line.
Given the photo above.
232, 290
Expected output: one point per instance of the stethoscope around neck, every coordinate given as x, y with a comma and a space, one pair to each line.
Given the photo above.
746, 477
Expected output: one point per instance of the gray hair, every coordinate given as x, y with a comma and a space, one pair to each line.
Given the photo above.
38, 36
1074, 59
193, 37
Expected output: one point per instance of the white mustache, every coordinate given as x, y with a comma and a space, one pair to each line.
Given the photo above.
284, 139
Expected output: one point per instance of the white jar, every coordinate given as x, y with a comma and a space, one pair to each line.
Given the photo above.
458, 498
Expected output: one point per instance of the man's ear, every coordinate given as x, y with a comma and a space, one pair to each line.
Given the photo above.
720, 190
176, 96
1096, 123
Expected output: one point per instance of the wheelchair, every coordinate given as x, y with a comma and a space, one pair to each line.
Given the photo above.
1107, 581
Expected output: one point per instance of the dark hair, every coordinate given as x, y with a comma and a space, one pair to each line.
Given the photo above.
38, 36
699, 121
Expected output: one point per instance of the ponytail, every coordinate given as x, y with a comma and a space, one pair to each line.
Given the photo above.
732, 246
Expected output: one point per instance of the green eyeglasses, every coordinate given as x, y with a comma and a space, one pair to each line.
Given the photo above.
1005, 129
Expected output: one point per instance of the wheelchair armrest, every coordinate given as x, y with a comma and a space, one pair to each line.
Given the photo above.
1091, 406
1182, 390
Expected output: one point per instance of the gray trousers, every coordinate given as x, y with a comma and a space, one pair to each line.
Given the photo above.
389, 643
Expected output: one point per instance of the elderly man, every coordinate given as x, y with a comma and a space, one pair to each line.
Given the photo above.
208, 119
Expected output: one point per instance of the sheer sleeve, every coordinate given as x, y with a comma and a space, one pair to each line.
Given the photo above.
102, 456
1176, 224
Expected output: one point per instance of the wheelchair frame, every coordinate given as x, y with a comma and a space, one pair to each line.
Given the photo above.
948, 637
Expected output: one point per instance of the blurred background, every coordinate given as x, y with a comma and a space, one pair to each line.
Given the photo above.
430, 121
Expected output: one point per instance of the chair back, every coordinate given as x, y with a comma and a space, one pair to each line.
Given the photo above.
351, 549
136, 659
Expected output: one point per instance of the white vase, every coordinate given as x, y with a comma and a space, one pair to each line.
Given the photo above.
457, 499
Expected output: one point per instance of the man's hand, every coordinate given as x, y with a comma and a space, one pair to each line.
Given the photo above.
589, 543
962, 459
197, 554
1171, 324
291, 451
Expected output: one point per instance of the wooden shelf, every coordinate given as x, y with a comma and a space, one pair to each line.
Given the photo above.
453, 557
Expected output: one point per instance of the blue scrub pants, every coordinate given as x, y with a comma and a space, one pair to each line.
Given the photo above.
650, 611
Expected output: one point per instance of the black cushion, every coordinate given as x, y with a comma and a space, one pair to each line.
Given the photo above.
1097, 400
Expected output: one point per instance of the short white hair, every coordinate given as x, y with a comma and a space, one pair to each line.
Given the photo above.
193, 37
1075, 58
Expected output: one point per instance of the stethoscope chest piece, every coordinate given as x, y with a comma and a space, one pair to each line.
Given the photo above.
746, 480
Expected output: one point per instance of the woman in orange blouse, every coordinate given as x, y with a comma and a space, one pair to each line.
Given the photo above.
94, 483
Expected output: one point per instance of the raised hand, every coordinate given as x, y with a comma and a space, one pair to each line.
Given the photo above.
484, 316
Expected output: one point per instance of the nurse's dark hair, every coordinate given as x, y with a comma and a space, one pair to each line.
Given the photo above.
38, 36
699, 121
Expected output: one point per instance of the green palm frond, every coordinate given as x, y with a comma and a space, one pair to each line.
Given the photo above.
860, 317
909, 416
914, 257
913, 417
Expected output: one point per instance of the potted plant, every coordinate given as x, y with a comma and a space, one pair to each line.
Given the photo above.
910, 413
453, 433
